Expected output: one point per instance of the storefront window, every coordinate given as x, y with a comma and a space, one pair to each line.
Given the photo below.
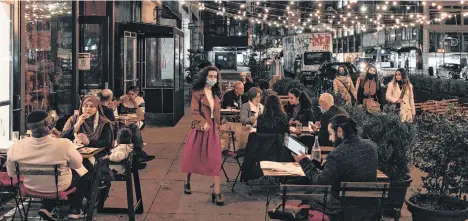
160, 62
127, 11
176, 63
152, 62
454, 19
48, 52
97, 8
181, 65
166, 77
5, 68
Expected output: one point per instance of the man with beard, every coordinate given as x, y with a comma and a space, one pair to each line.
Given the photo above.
352, 160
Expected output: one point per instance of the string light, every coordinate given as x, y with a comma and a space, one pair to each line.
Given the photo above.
352, 20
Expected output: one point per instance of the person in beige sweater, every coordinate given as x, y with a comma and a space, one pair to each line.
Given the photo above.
400, 93
43, 149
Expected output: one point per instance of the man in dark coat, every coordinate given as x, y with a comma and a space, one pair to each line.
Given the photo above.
327, 105
352, 160
235, 98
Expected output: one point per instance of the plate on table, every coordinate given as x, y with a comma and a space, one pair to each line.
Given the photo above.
87, 150
78, 146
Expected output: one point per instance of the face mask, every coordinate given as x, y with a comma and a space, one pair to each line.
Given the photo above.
342, 73
211, 83
370, 76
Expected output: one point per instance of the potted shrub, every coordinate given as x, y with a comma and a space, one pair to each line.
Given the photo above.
393, 139
441, 153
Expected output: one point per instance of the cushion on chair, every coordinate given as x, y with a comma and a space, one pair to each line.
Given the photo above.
6, 182
63, 195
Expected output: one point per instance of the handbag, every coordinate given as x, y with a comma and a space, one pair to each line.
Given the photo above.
371, 105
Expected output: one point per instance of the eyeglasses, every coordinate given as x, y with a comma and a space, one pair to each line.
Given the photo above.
397, 74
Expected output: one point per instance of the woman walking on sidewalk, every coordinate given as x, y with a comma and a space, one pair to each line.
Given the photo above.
202, 150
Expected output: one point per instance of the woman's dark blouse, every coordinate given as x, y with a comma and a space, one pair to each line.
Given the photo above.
105, 140
273, 125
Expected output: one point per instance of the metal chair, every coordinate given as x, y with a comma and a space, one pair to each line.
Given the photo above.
234, 154
129, 174
41, 170
362, 190
300, 192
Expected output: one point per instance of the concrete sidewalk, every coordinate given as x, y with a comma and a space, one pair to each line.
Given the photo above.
162, 187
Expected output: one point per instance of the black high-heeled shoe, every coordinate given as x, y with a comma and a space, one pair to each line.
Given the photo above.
217, 199
187, 189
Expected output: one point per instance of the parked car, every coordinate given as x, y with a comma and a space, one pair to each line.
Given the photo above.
327, 73
362, 63
449, 70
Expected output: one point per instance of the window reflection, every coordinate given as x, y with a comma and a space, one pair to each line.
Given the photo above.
48, 52
160, 66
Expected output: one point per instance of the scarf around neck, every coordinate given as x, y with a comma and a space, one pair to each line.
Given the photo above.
93, 126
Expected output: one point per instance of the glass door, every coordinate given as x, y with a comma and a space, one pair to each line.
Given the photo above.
129, 60
94, 41
6, 68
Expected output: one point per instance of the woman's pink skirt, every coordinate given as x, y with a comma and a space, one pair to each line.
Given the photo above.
202, 152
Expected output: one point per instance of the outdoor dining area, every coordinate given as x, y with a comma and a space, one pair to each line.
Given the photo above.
73, 164
25, 198
418, 147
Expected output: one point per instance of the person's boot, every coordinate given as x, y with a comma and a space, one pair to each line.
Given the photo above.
143, 157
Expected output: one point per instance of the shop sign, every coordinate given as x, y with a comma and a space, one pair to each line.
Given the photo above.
84, 61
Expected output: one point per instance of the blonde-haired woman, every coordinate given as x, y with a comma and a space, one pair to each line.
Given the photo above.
400, 93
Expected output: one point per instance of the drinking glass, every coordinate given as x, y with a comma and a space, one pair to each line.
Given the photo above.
23, 137
15, 136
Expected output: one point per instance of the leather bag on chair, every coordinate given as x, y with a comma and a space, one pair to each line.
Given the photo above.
263, 147
241, 133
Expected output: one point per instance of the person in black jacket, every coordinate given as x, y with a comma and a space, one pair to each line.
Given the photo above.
369, 94
235, 98
352, 160
273, 120
299, 107
327, 105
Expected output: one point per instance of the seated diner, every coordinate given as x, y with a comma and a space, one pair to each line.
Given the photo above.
43, 149
251, 110
299, 107
90, 127
353, 160
234, 98
273, 120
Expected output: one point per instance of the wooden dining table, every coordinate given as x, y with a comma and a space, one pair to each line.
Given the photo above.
131, 118
230, 114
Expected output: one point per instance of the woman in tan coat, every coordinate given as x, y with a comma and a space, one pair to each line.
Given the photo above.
344, 86
400, 93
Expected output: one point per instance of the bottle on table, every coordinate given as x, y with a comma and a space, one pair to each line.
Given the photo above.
316, 152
